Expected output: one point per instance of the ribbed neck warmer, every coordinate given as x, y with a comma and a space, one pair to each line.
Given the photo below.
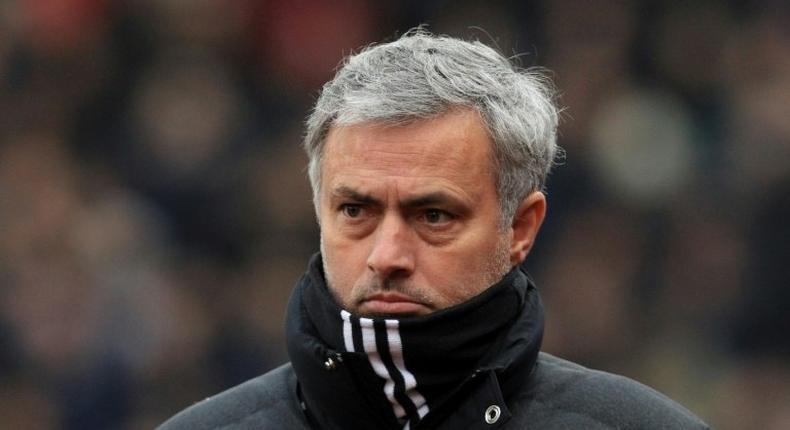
399, 373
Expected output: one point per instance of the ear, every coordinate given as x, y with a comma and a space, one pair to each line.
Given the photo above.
526, 223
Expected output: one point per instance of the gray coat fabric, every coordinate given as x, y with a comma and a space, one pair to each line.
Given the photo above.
558, 394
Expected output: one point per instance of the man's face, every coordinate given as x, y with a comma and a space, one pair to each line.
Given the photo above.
410, 219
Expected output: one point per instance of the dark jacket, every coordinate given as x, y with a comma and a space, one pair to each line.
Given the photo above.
557, 395
512, 386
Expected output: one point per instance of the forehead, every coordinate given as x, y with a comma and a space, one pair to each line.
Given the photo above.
454, 147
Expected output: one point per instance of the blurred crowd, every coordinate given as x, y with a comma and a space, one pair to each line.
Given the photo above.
155, 212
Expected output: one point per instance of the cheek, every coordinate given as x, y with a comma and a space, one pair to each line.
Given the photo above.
460, 272
344, 264
335, 275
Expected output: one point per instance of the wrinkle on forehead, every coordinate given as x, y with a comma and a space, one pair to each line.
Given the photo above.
396, 191
426, 148
423, 163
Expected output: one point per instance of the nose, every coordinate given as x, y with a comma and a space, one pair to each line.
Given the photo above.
392, 255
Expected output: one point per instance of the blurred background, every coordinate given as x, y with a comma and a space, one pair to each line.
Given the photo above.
154, 210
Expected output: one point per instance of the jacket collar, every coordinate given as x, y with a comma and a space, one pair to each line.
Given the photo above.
358, 373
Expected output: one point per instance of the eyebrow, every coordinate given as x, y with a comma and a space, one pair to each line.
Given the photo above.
347, 192
430, 199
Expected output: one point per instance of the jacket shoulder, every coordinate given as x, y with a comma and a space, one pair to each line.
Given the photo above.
562, 394
268, 401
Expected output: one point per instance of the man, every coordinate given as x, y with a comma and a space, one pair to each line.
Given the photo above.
427, 160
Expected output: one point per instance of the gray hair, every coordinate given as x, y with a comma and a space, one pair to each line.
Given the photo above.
421, 76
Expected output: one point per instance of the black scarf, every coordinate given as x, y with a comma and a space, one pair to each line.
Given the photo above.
357, 372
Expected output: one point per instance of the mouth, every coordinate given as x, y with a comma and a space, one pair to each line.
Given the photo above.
392, 303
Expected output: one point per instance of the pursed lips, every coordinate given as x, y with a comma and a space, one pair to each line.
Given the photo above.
392, 303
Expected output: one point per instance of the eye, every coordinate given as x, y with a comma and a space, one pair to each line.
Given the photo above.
351, 210
437, 216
